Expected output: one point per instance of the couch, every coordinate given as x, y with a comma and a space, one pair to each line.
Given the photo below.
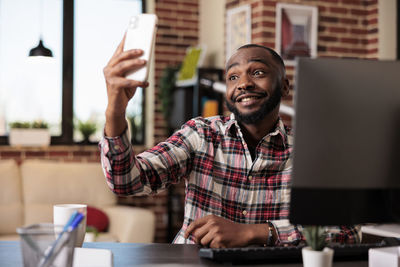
29, 190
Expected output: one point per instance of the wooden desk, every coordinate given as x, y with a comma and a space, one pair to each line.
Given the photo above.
128, 254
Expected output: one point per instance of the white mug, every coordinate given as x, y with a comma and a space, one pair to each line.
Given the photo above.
62, 213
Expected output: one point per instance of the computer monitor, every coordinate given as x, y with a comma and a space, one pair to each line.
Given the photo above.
346, 162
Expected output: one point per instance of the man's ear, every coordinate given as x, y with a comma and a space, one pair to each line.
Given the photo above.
285, 87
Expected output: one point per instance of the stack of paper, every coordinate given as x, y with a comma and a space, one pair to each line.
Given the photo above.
92, 257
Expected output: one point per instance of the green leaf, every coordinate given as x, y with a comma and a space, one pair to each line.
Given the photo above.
40, 125
315, 237
20, 125
87, 128
167, 86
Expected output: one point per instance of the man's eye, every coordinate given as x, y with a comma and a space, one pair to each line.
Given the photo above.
233, 77
259, 72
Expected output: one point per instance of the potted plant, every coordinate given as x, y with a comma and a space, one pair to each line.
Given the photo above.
87, 129
29, 134
316, 254
91, 234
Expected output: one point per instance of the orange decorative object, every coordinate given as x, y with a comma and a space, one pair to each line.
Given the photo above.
210, 108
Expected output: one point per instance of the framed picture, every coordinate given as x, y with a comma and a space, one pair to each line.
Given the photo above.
296, 31
238, 28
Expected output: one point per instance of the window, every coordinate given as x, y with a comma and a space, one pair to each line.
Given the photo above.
30, 88
99, 28
70, 86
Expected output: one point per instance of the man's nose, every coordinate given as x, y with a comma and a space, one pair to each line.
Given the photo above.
245, 83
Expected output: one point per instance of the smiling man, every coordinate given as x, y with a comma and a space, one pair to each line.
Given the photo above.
237, 169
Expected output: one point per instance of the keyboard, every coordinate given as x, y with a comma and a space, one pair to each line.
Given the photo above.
345, 252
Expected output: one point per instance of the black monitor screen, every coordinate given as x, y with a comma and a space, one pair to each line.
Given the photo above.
346, 162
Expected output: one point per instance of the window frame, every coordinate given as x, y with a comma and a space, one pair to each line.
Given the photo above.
67, 114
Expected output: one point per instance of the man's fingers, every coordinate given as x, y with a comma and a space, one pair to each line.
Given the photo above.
120, 47
123, 67
129, 65
216, 242
206, 239
129, 55
194, 225
117, 51
200, 232
122, 83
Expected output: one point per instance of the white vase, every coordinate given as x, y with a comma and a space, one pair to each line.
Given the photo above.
313, 258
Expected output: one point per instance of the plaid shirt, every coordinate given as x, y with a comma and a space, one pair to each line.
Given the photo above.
221, 177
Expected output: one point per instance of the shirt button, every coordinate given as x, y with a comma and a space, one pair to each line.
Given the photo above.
116, 147
250, 177
244, 213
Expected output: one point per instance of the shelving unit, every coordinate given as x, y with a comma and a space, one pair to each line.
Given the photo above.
187, 100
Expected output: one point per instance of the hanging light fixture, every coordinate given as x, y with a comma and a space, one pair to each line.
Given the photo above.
40, 49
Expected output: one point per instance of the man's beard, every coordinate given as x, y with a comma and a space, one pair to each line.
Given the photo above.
260, 114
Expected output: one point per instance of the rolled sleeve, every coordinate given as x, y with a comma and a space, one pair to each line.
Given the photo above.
287, 233
114, 149
112, 146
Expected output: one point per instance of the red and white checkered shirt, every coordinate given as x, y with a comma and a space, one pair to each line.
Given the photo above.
220, 176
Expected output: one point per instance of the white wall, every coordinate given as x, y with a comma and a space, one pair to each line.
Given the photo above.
212, 32
149, 113
387, 29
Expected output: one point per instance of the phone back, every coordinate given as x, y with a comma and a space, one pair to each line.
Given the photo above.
141, 35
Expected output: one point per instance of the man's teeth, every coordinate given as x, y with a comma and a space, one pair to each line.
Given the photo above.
246, 99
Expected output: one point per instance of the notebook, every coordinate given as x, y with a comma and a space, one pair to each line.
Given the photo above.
92, 257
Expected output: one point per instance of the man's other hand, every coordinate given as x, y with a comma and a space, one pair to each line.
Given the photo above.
216, 232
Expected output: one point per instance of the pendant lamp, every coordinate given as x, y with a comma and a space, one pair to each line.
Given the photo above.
40, 49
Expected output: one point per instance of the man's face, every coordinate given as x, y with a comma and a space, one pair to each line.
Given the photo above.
253, 80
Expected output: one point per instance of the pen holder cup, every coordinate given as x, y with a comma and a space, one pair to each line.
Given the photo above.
39, 246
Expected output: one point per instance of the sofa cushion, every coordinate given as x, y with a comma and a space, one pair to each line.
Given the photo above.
97, 219
46, 183
10, 197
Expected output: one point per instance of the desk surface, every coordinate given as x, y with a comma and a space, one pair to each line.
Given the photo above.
128, 254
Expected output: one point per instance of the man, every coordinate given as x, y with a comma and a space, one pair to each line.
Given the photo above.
237, 169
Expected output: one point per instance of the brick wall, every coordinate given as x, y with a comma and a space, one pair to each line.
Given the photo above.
346, 28
56, 153
178, 28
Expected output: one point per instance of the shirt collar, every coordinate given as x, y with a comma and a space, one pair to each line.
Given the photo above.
280, 130
232, 126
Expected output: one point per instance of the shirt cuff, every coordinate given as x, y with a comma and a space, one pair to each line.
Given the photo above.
286, 232
116, 145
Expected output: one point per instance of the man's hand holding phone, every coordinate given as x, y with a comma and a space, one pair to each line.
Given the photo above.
128, 69
120, 89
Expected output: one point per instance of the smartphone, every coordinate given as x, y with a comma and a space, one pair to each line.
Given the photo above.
141, 34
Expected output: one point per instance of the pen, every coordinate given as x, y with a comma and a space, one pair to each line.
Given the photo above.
71, 218
72, 223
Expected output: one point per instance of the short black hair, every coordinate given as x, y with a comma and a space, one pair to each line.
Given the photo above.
275, 55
